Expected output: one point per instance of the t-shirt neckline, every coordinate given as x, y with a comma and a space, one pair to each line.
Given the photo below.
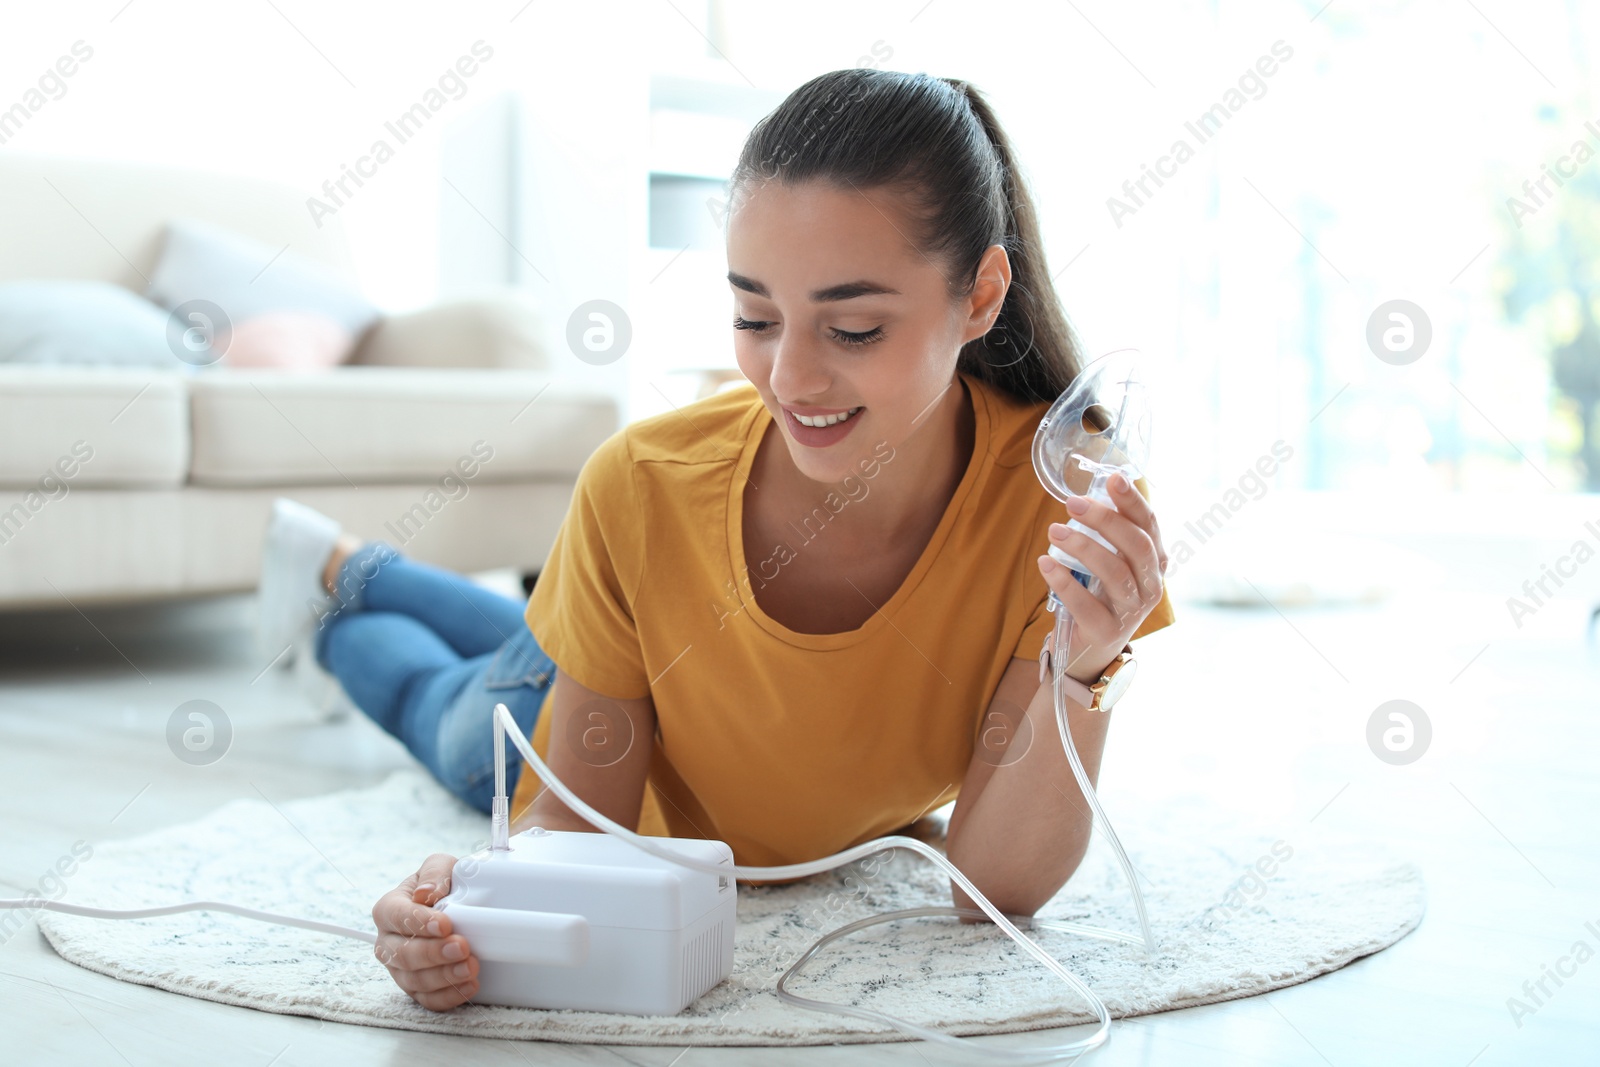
978, 465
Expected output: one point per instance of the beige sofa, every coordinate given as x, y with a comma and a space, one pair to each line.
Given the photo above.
449, 436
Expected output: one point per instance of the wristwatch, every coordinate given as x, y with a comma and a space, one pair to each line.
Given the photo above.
1106, 691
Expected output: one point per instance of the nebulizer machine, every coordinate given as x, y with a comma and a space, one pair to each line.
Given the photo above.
621, 922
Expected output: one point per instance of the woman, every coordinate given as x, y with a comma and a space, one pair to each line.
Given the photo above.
797, 616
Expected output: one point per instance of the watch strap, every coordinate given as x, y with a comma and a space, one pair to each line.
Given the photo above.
1080, 693
1088, 697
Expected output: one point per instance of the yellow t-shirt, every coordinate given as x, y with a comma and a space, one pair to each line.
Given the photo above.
791, 746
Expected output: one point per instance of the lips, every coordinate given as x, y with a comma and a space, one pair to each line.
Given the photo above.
820, 419
821, 436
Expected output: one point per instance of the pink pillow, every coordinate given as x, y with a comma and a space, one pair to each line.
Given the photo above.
286, 340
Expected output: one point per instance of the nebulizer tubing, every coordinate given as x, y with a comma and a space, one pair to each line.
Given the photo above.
781, 872
1064, 434
1063, 632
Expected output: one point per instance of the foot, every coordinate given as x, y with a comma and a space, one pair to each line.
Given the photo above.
294, 556
343, 548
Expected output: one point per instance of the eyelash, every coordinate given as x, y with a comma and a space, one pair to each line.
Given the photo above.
844, 337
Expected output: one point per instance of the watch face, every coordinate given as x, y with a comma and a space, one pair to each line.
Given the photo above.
1118, 685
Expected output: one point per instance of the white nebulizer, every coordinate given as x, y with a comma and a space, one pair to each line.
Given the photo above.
586, 921
621, 922
575, 920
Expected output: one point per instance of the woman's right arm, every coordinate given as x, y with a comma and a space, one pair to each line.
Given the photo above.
600, 747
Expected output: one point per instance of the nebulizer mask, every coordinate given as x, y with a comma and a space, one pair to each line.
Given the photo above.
540, 908
1098, 428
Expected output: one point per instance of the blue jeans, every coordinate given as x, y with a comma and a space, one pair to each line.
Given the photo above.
427, 654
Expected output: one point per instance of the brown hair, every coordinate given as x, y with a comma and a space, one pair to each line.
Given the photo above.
936, 141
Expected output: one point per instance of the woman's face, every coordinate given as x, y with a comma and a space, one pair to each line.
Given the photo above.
836, 311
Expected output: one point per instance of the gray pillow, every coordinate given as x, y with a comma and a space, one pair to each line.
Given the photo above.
245, 278
81, 322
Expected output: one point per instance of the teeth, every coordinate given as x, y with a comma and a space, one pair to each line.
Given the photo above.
824, 420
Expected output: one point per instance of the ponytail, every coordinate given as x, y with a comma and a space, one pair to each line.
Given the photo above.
937, 140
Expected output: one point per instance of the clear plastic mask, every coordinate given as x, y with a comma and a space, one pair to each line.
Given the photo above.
1098, 427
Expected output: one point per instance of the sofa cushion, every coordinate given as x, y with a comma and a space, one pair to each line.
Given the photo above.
502, 331
357, 426
107, 426
76, 322
285, 340
206, 268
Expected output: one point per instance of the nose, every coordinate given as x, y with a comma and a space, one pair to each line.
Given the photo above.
799, 370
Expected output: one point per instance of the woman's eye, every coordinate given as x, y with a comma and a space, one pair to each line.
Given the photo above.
846, 337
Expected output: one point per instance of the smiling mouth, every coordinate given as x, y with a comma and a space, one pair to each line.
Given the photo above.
819, 421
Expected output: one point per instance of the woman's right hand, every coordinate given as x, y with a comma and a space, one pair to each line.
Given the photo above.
434, 967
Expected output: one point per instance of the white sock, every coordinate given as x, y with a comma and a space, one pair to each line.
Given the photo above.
291, 597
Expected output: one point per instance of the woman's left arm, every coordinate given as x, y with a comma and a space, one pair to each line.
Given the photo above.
1022, 825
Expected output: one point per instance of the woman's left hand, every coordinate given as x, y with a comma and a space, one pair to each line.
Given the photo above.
1130, 578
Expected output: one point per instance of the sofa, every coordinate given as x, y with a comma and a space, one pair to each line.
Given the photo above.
446, 433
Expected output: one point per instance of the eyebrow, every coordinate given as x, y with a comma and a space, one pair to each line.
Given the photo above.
844, 291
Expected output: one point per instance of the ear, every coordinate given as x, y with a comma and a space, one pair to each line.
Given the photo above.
988, 292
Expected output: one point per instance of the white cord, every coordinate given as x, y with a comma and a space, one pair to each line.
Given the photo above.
504, 721
193, 905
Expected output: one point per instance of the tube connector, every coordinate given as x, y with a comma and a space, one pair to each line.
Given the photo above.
500, 809
500, 826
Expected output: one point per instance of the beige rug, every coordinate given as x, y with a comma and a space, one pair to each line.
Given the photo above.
1226, 930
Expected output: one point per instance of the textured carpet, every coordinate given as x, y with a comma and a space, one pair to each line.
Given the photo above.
1226, 929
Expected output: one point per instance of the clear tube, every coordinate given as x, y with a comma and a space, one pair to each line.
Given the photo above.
193, 905
1058, 662
1070, 1050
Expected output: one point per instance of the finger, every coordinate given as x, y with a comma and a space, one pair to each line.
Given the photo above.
428, 885
394, 913
1116, 580
435, 979
1127, 537
1089, 615
433, 878
1132, 503
420, 953
448, 997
